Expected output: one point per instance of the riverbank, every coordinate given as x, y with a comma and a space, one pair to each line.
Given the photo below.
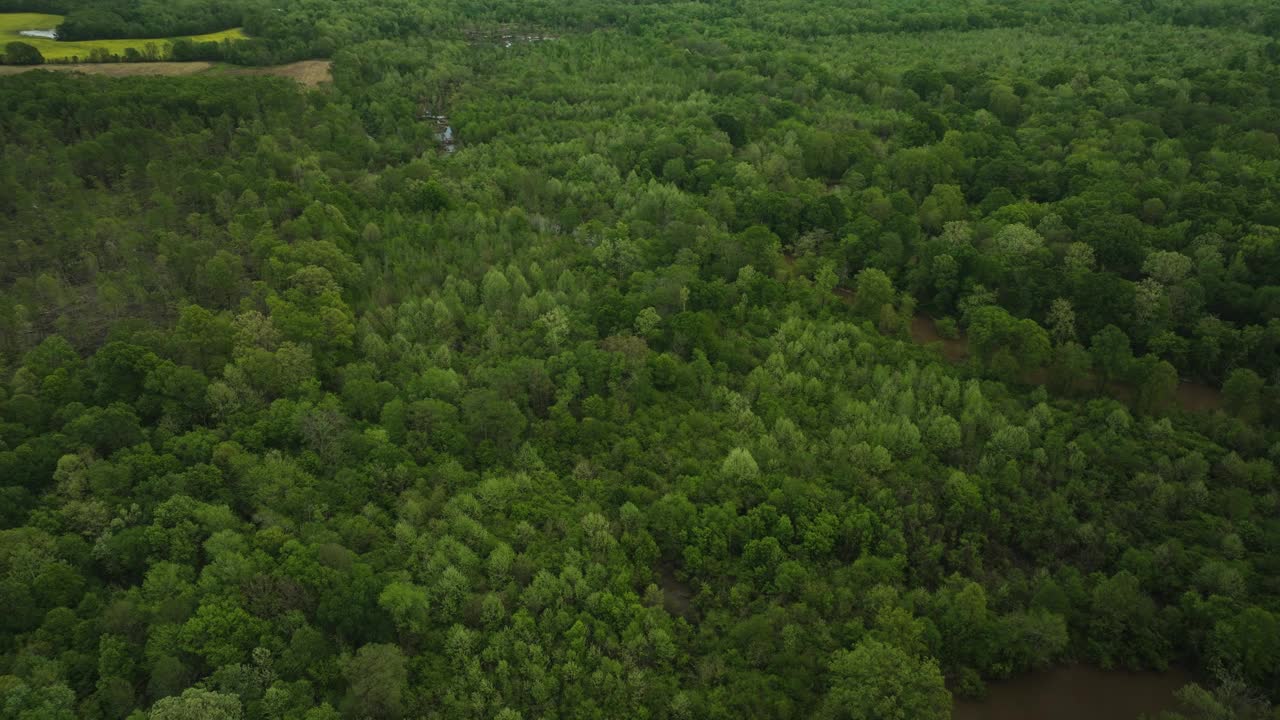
1075, 692
1190, 395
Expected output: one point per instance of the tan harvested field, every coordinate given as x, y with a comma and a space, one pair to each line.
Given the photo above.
167, 69
308, 72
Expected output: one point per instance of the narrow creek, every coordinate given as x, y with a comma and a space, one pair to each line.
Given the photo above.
1076, 692
1189, 395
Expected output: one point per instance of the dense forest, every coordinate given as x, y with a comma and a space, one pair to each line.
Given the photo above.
608, 406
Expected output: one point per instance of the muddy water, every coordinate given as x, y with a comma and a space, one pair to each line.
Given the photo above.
1076, 693
924, 331
1190, 395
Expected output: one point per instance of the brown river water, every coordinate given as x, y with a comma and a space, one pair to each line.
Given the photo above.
1076, 693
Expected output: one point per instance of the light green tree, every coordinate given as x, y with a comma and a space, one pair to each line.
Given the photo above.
878, 681
197, 704
408, 604
739, 466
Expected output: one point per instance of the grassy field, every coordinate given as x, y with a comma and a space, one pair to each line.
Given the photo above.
12, 23
307, 72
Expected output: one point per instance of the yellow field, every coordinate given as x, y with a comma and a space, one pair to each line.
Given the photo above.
11, 23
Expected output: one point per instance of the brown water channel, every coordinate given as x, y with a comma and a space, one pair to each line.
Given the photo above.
1076, 693
1189, 395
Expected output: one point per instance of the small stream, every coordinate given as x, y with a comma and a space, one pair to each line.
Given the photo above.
445, 138
1076, 692
443, 130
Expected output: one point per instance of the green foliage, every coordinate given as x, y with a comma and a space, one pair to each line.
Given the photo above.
195, 704
377, 676
873, 291
876, 680
609, 408
20, 53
